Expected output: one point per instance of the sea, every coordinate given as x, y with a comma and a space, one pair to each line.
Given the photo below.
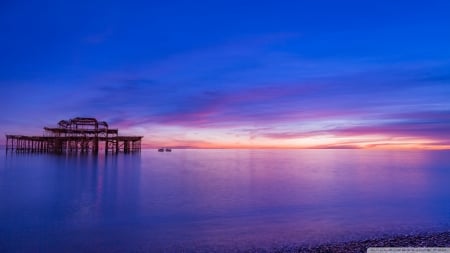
218, 200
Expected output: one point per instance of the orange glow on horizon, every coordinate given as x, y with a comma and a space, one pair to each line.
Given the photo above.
156, 136
355, 142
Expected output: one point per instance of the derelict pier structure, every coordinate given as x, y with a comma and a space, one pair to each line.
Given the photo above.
85, 135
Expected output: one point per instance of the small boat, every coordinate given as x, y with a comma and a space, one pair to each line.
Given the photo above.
160, 149
168, 150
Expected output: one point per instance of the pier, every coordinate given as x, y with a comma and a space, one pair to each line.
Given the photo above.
84, 135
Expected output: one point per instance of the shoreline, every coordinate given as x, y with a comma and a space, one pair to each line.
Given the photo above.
431, 239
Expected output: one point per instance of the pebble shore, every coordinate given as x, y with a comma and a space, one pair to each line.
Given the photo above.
420, 240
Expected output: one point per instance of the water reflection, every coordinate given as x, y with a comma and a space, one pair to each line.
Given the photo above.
217, 199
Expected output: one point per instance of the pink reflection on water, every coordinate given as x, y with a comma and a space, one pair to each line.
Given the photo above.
222, 199
305, 195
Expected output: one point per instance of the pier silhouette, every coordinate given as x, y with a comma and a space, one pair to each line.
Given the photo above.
85, 135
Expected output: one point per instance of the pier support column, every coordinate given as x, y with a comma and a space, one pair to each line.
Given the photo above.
95, 146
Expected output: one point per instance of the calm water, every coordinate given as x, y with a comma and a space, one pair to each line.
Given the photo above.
204, 200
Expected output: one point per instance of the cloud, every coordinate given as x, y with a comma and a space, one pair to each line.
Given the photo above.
436, 77
409, 128
272, 94
138, 99
98, 37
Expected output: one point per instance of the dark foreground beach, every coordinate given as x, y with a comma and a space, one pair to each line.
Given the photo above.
441, 239
418, 240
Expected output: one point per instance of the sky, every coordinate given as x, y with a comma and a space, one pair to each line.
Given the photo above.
232, 74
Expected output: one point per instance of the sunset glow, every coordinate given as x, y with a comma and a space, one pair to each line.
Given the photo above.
346, 77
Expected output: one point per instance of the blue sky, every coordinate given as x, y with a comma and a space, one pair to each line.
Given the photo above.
333, 74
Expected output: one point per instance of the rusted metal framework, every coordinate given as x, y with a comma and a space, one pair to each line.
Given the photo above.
75, 135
